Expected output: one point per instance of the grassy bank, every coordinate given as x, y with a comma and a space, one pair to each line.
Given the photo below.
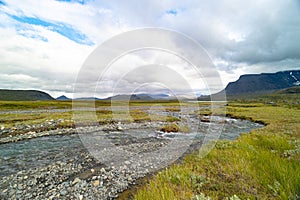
103, 114
100, 116
33, 105
264, 164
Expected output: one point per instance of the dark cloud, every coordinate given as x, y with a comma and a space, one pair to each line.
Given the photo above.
253, 32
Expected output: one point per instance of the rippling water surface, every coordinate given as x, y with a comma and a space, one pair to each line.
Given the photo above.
45, 150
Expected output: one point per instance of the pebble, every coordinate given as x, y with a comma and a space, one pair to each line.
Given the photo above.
96, 183
63, 192
127, 162
76, 180
54, 181
102, 170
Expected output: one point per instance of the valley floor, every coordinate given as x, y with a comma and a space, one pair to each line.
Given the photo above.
263, 164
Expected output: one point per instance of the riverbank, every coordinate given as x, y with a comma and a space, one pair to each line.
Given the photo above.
263, 164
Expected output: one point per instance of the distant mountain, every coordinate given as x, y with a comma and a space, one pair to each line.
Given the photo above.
144, 97
88, 98
23, 95
62, 97
159, 96
263, 83
147, 97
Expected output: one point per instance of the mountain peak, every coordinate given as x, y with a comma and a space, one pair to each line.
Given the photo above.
264, 82
62, 97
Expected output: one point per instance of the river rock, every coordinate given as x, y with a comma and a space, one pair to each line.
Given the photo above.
63, 192
102, 170
76, 180
96, 183
127, 162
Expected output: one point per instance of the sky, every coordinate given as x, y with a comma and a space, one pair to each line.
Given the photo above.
43, 44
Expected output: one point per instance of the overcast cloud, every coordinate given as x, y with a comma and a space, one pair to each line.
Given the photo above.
44, 43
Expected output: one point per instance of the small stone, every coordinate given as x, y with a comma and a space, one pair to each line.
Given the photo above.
127, 162
21, 187
63, 193
80, 197
102, 170
96, 183
76, 180
92, 170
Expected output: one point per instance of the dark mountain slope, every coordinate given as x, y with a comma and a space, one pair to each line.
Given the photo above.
23, 95
130, 97
263, 83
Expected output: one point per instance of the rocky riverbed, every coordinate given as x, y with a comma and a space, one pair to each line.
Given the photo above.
95, 162
80, 177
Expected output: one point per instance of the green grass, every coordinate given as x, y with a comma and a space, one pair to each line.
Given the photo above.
291, 90
101, 116
10, 120
30, 105
276, 99
264, 164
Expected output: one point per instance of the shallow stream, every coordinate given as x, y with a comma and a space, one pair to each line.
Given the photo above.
39, 152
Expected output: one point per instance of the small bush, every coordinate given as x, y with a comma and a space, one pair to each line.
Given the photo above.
174, 128
170, 128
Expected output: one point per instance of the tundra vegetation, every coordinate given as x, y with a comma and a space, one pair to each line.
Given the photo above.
262, 164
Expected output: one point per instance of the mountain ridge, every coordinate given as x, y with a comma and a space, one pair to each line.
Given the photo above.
24, 95
248, 84
264, 82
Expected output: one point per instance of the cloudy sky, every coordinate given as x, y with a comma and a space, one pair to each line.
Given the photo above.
43, 44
